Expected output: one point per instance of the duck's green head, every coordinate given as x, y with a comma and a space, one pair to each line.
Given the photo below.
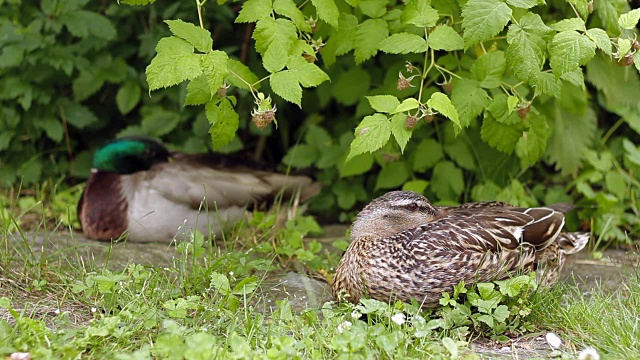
130, 154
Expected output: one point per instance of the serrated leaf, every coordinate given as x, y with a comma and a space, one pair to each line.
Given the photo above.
306, 73
198, 91
82, 23
383, 103
547, 83
158, 122
289, 9
236, 67
368, 37
488, 69
214, 67
403, 43
500, 136
86, 84
501, 112
351, 86
52, 127
426, 155
469, 100
78, 115
576, 24
400, 131
174, 63
372, 134
224, 122
483, 19
629, 20
406, 105
523, 4
572, 135
569, 50
341, 40
373, 8
444, 37
285, 84
196, 36
527, 46
533, 143
443, 105
254, 10
327, 11
301, 156
392, 175
447, 181
624, 45
460, 152
575, 78
128, 96
608, 11
274, 39
420, 14
632, 152
601, 38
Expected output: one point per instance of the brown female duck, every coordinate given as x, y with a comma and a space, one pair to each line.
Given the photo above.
139, 189
403, 247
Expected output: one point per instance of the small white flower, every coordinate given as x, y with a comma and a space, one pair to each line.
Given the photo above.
356, 314
57, 311
230, 273
589, 354
93, 309
398, 318
343, 326
553, 340
205, 329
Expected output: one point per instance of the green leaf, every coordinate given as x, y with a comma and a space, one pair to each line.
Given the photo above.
469, 100
52, 127
576, 24
242, 70
501, 112
616, 184
87, 84
357, 165
351, 86
158, 122
254, 10
306, 73
128, 96
137, 2
174, 63
443, 105
392, 175
327, 11
301, 156
483, 19
196, 36
624, 45
341, 40
404, 43
569, 50
214, 67
420, 14
501, 313
78, 115
274, 39
373, 8
372, 134
406, 105
460, 152
608, 11
418, 186
632, 152
224, 122
572, 133
368, 37
500, 136
629, 20
289, 9
523, 4
198, 91
575, 78
527, 46
383, 103
427, 154
82, 23
400, 131
533, 143
285, 84
444, 37
548, 84
447, 181
488, 69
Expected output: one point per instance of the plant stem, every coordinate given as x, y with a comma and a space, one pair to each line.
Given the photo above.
199, 5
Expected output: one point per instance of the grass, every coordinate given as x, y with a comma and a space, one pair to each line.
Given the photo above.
213, 301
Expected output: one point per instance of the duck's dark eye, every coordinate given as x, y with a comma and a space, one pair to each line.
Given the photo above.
413, 207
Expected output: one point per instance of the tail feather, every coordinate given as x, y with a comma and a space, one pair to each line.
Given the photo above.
572, 242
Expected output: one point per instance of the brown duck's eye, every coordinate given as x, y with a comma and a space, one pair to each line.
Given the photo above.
413, 207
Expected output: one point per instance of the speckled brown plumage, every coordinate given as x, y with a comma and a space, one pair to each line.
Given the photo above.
403, 247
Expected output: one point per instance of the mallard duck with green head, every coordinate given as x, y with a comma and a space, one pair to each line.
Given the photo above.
139, 189
402, 247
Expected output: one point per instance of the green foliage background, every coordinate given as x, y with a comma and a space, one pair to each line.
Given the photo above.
519, 100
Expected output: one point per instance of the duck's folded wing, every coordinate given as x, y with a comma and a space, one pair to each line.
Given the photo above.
188, 184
